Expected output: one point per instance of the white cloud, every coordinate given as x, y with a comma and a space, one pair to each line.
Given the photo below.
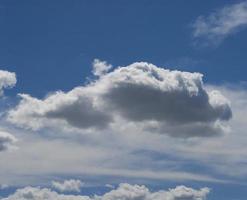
7, 140
7, 80
222, 23
176, 102
31, 193
100, 67
109, 186
68, 185
123, 192
76, 107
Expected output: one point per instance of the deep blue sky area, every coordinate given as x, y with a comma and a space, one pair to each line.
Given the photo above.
53, 43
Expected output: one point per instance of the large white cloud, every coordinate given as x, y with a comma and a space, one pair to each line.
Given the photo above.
123, 192
7, 140
220, 24
175, 101
68, 185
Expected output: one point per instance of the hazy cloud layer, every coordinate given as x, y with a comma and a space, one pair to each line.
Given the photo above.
123, 192
220, 24
141, 93
68, 185
6, 140
7, 80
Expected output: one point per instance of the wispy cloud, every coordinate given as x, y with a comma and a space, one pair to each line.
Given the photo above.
220, 24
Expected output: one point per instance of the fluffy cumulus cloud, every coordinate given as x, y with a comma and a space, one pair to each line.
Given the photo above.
7, 140
123, 192
7, 80
222, 23
171, 102
68, 185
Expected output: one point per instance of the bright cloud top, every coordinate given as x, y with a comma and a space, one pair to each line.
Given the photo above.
123, 192
218, 25
174, 102
7, 140
7, 80
68, 185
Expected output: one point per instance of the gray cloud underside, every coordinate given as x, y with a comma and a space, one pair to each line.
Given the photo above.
139, 93
123, 192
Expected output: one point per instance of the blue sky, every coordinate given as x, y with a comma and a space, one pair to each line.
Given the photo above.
106, 98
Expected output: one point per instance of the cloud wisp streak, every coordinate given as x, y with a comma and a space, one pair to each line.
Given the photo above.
221, 24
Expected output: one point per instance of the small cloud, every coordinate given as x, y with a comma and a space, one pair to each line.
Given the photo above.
109, 186
221, 24
100, 67
7, 80
68, 185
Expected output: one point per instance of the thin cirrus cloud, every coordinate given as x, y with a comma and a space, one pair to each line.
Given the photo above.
173, 102
222, 23
68, 185
124, 191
